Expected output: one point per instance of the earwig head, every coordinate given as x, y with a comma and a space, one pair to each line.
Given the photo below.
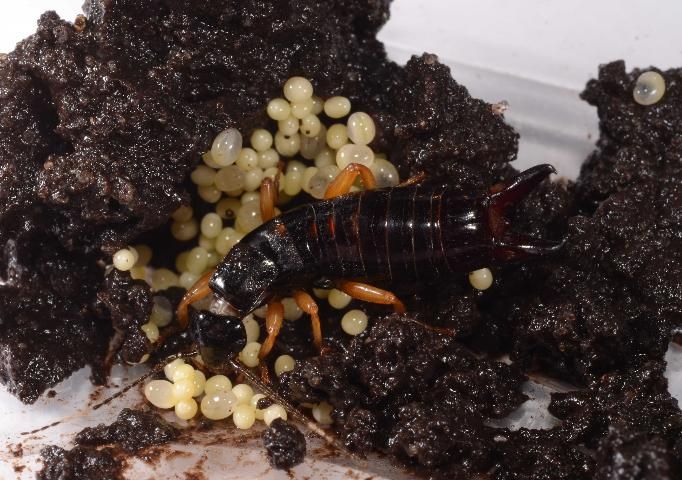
244, 277
218, 337
511, 246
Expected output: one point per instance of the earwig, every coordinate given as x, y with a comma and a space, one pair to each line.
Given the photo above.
405, 237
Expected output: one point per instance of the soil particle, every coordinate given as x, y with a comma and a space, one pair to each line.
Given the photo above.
285, 444
16, 449
79, 463
101, 451
132, 431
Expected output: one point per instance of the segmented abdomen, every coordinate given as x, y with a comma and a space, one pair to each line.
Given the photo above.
409, 234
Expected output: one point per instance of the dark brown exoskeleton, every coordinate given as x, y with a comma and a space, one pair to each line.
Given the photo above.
400, 238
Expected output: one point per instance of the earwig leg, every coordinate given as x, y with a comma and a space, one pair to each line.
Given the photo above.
370, 294
306, 303
342, 183
273, 324
195, 293
418, 178
268, 199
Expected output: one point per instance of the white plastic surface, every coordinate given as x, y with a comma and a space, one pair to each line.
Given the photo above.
536, 54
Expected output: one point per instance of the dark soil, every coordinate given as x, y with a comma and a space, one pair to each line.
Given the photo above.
132, 431
285, 444
79, 463
101, 451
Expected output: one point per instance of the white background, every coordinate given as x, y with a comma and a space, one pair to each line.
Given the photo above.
555, 42
535, 54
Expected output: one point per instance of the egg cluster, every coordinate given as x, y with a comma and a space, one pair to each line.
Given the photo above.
187, 390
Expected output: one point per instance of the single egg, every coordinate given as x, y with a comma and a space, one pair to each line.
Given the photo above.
649, 88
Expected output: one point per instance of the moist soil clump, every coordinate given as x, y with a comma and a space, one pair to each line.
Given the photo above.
416, 394
285, 444
100, 451
431, 409
132, 431
79, 463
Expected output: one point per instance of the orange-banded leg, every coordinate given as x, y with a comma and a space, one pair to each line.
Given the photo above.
195, 293
306, 303
274, 315
342, 183
273, 324
370, 294
268, 198
275, 310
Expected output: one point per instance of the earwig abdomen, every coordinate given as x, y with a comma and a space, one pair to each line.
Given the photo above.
402, 238
397, 236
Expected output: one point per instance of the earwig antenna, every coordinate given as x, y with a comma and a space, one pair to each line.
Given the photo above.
158, 368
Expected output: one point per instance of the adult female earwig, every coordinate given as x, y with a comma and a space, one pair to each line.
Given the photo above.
411, 236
